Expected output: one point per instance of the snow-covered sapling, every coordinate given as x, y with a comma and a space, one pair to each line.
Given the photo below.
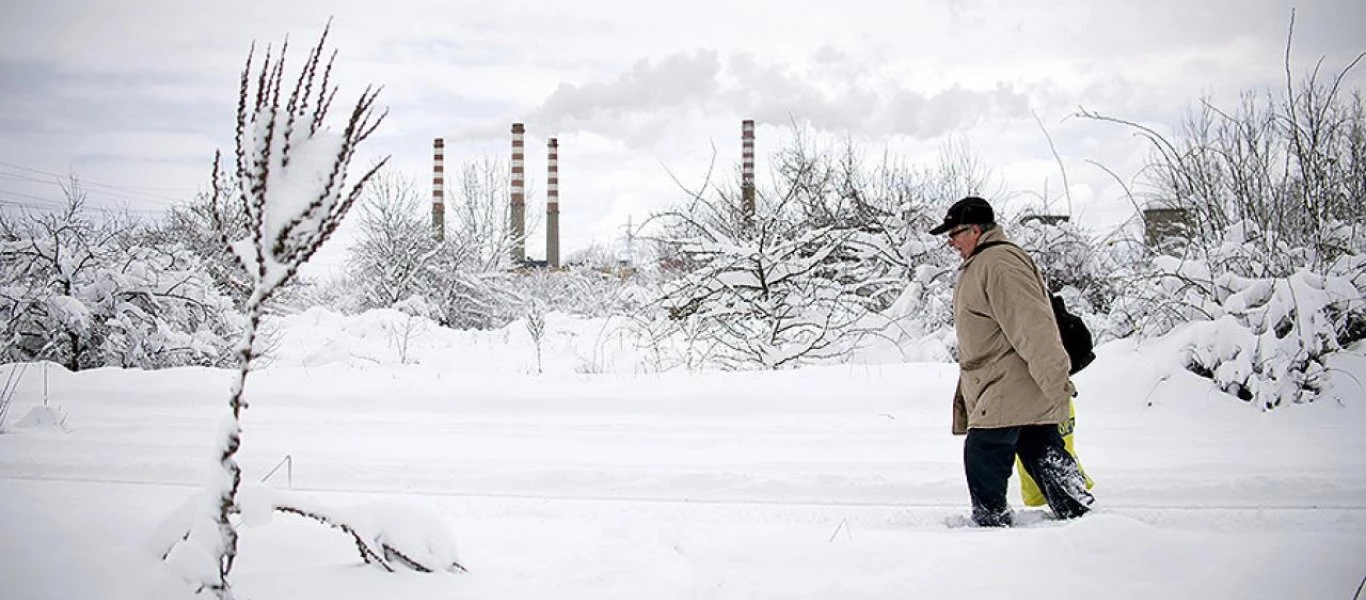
290, 179
535, 326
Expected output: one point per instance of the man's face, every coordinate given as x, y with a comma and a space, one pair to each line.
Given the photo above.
964, 239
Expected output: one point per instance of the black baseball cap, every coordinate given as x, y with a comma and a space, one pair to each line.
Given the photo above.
968, 211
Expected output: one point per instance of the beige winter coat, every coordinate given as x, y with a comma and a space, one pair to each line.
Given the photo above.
1012, 366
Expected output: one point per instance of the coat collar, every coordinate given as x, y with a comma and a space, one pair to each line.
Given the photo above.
995, 234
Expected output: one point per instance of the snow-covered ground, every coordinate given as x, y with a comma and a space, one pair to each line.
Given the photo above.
830, 482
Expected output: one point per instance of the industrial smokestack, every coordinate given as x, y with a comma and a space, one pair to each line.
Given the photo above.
518, 216
439, 189
552, 206
747, 171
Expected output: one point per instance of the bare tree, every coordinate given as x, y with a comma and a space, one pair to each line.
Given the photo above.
390, 261
770, 288
477, 215
47, 256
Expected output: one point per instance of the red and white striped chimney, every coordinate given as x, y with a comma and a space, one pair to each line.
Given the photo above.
552, 205
439, 188
518, 216
747, 170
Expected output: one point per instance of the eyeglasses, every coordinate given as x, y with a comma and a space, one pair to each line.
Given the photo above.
957, 232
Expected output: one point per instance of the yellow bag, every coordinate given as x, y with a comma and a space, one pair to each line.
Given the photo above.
1033, 496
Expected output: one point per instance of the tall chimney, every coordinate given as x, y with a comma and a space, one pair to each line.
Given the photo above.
747, 171
439, 189
518, 216
552, 206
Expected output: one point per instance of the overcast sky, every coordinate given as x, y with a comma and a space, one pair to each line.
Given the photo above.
135, 96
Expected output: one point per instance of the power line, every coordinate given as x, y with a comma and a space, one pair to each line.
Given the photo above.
50, 204
105, 193
85, 182
30, 205
23, 177
31, 197
95, 205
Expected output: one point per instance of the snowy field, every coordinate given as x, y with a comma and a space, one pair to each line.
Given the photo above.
831, 482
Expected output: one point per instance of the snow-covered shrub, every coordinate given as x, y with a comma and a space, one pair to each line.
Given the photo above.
1270, 264
1260, 336
398, 256
581, 291
396, 247
1273, 336
1069, 260
878, 207
73, 291
784, 284
667, 343
925, 306
161, 310
767, 302
472, 299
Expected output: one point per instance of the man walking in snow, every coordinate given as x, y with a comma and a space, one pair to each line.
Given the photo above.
1013, 386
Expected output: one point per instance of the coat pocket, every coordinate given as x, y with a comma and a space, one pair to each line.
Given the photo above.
978, 382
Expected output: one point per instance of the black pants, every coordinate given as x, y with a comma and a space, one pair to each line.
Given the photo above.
988, 458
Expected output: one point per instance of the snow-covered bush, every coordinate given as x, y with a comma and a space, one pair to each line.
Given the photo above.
405, 333
1273, 336
475, 300
581, 291
74, 291
768, 302
398, 256
771, 291
668, 343
925, 306
1069, 260
1260, 336
1271, 262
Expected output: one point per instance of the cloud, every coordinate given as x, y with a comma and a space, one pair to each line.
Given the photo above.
826, 96
676, 80
925, 116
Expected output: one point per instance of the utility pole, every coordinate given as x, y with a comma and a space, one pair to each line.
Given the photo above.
630, 242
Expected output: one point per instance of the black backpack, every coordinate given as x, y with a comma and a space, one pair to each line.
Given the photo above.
1076, 338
